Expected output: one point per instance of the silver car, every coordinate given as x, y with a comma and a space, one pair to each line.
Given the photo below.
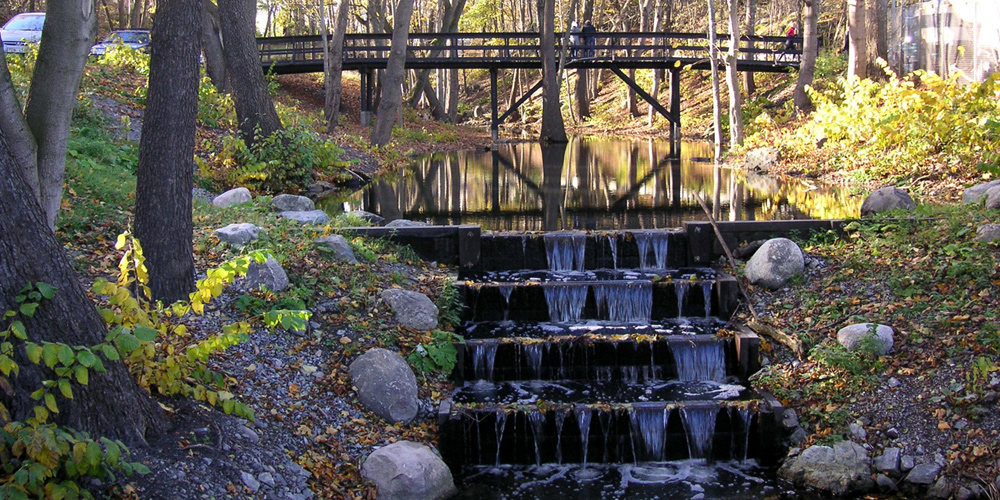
21, 30
137, 39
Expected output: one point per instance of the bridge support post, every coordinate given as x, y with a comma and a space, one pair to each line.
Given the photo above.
675, 111
494, 106
367, 89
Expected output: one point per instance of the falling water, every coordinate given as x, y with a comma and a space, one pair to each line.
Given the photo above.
649, 425
613, 244
604, 418
483, 356
501, 424
629, 302
699, 360
699, 424
744, 416
533, 353
565, 302
659, 241
642, 242
583, 416
560, 420
505, 291
537, 419
681, 288
706, 291
630, 374
565, 251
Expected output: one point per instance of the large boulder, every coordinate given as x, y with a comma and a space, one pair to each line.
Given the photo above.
367, 216
405, 223
842, 470
337, 247
976, 193
993, 198
238, 234
408, 471
314, 217
232, 197
292, 203
988, 232
269, 275
413, 309
774, 263
386, 385
860, 335
761, 159
887, 199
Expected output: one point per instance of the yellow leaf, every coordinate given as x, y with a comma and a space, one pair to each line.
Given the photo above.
943, 426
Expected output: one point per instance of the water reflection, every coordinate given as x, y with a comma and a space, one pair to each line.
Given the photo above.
590, 184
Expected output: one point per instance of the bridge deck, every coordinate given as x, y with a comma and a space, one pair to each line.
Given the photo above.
365, 52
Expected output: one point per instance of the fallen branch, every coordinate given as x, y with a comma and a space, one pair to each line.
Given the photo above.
729, 255
789, 341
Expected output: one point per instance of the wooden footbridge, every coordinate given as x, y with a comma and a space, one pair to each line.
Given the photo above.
617, 52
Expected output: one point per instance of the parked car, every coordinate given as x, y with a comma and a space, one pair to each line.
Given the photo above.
21, 30
137, 39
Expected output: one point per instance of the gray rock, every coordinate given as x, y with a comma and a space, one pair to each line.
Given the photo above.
238, 234
885, 200
906, 463
993, 198
337, 247
292, 203
857, 431
940, 489
408, 471
367, 216
232, 197
988, 232
761, 159
878, 337
976, 193
884, 483
249, 481
266, 479
269, 275
405, 223
842, 470
789, 419
798, 437
249, 434
315, 217
319, 188
200, 195
888, 461
774, 263
923, 474
413, 310
893, 433
965, 494
386, 385
893, 383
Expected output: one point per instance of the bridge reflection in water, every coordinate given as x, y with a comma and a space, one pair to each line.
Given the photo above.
590, 184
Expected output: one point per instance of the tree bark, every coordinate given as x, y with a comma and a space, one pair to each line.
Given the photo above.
733, 79
70, 28
751, 27
857, 64
112, 404
392, 92
211, 45
876, 28
15, 128
810, 49
553, 129
713, 57
334, 85
166, 169
254, 109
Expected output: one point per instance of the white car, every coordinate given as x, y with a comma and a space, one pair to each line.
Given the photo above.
21, 30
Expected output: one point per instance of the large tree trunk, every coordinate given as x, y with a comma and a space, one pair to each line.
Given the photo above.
334, 85
857, 64
733, 79
211, 45
553, 129
254, 108
392, 92
449, 24
112, 404
70, 28
810, 49
751, 26
876, 28
13, 126
166, 169
713, 57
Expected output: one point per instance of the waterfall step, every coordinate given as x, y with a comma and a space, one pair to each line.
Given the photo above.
520, 330
638, 249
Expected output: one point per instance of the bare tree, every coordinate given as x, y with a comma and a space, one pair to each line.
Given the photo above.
810, 49
732, 78
876, 28
713, 59
857, 63
392, 91
211, 45
553, 129
751, 27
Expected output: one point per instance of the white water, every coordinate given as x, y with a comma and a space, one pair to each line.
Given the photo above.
699, 424
701, 360
565, 302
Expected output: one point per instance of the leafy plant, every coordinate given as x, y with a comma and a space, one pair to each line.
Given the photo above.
125, 58
286, 161
437, 354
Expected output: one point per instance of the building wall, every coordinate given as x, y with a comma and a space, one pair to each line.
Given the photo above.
946, 37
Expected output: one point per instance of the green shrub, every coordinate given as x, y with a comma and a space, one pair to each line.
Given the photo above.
286, 161
124, 57
215, 109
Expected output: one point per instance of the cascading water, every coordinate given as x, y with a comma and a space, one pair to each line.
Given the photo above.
583, 416
536, 419
744, 416
681, 288
659, 241
699, 425
484, 354
699, 360
533, 354
706, 292
565, 251
560, 421
565, 302
642, 242
505, 291
613, 244
500, 426
649, 427
629, 302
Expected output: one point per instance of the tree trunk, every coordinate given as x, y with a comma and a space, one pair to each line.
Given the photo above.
751, 26
254, 108
13, 126
112, 404
713, 57
810, 49
334, 84
166, 169
392, 92
733, 79
857, 64
70, 28
211, 45
553, 129
876, 27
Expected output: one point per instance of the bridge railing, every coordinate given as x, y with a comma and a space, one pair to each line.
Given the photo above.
513, 47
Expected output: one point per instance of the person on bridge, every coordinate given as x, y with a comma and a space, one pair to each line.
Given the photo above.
789, 41
588, 32
574, 40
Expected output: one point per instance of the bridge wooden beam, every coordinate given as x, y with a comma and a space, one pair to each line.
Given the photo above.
520, 100
494, 105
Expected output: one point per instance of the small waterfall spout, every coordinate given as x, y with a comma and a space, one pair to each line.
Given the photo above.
483, 356
681, 288
565, 302
501, 425
649, 432
695, 361
583, 417
505, 291
613, 244
536, 419
706, 291
560, 422
659, 241
630, 302
699, 424
533, 353
565, 251
743, 415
